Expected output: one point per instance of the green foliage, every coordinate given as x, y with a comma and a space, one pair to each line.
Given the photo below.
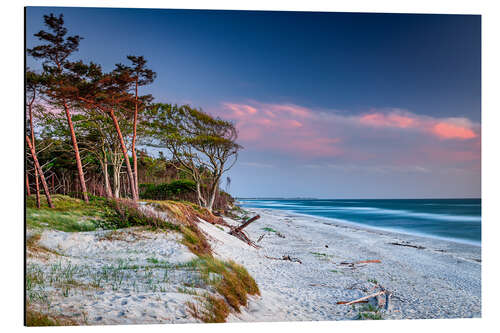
128, 214
71, 215
369, 312
268, 229
167, 191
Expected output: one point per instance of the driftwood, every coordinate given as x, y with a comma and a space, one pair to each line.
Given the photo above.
376, 261
352, 264
245, 224
383, 298
285, 257
238, 232
408, 245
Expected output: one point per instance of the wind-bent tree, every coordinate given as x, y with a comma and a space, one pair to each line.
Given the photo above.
141, 76
202, 145
108, 92
33, 85
40, 171
54, 52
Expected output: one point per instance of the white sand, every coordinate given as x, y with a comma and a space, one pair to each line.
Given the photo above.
133, 270
140, 283
441, 281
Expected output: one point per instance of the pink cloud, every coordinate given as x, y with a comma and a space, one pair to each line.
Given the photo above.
388, 120
443, 128
395, 136
284, 127
451, 131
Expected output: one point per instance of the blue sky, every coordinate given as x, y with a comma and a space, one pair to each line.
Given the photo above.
331, 105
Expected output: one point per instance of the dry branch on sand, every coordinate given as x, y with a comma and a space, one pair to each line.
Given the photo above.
238, 231
383, 297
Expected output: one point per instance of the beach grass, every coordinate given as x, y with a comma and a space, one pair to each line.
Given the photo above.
227, 283
230, 280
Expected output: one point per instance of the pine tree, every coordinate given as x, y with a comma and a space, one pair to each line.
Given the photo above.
54, 52
141, 76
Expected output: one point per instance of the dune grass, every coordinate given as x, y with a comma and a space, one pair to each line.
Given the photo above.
230, 280
36, 318
70, 214
230, 283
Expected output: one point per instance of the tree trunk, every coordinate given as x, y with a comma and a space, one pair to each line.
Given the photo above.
134, 136
117, 166
106, 180
77, 153
28, 193
116, 182
32, 130
37, 166
37, 186
213, 192
201, 201
125, 156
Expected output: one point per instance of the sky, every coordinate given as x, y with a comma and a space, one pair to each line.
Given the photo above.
327, 105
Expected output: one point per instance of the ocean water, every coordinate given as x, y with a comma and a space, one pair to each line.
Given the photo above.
453, 219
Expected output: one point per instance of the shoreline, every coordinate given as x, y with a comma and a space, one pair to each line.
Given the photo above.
303, 267
429, 278
352, 224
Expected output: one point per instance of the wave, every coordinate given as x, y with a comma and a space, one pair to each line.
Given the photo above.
406, 213
392, 229
298, 208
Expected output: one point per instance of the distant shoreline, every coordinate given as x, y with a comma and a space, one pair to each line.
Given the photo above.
354, 225
396, 230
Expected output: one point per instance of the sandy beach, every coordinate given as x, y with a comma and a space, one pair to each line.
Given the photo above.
429, 278
133, 276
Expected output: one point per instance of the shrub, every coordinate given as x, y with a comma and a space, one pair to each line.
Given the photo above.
177, 189
182, 190
129, 214
234, 284
214, 310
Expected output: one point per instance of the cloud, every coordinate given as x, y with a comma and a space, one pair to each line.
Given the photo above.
451, 131
280, 127
378, 119
442, 128
376, 139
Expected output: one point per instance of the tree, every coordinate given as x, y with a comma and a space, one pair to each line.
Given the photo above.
141, 76
59, 88
40, 171
109, 93
33, 86
202, 145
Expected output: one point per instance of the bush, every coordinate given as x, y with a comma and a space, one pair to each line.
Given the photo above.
183, 190
128, 214
177, 190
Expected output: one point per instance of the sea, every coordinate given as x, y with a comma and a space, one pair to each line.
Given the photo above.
451, 219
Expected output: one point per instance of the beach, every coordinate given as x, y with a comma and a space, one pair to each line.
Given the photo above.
304, 266
429, 278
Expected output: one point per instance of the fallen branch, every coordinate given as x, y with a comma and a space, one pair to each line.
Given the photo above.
408, 245
368, 262
238, 232
351, 264
244, 225
285, 257
359, 300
